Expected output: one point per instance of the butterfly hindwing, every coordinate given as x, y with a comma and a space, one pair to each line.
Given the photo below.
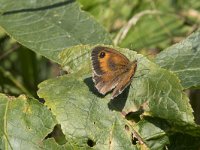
124, 82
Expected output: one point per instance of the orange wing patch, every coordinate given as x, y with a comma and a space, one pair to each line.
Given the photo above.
103, 58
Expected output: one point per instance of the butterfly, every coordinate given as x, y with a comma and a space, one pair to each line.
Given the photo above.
111, 70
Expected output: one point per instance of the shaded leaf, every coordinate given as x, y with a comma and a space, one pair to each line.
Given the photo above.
48, 27
183, 142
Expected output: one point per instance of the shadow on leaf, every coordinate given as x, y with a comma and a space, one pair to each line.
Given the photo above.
90, 84
119, 102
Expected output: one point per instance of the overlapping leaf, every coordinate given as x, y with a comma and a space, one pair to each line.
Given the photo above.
85, 115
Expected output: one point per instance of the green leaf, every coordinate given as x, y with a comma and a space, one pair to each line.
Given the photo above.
151, 84
48, 27
85, 115
76, 58
24, 123
184, 60
153, 131
50, 144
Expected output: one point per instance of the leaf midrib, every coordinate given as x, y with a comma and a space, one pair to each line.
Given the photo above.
190, 69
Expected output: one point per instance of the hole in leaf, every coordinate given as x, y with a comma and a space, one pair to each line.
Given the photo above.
91, 143
134, 140
57, 134
135, 116
194, 97
126, 127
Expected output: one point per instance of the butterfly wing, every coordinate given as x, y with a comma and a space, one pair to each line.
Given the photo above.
108, 66
106, 82
125, 80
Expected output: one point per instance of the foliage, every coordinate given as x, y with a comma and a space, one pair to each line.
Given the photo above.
67, 112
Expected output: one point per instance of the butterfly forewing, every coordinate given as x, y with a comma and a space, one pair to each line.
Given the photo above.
106, 60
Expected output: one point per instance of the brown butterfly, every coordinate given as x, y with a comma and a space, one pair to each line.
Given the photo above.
111, 70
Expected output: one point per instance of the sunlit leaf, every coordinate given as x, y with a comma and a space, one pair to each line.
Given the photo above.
184, 60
